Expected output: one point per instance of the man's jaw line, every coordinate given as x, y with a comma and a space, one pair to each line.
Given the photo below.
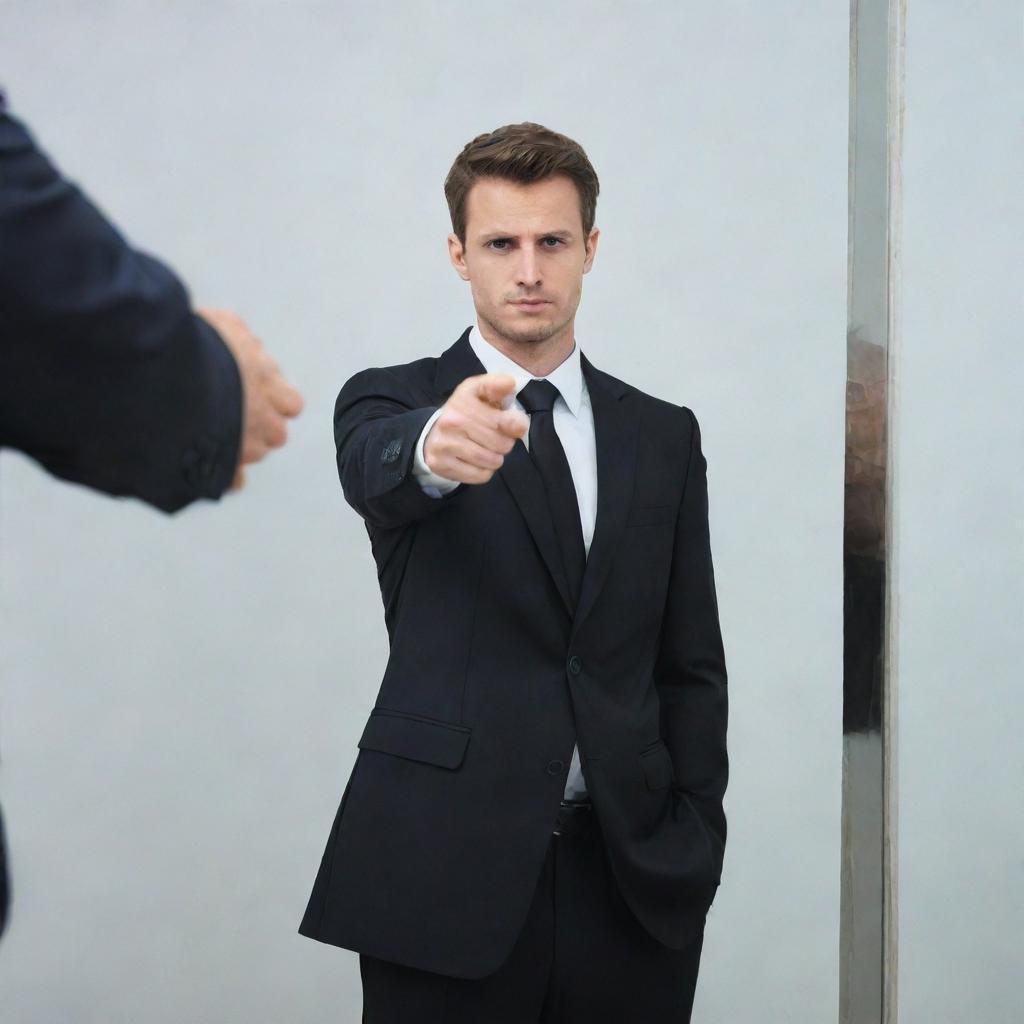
527, 350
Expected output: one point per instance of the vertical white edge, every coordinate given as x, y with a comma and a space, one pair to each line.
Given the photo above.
890, 716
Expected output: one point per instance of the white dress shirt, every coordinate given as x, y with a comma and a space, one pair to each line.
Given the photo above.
574, 424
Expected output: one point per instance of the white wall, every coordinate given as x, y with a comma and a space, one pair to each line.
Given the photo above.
182, 697
960, 541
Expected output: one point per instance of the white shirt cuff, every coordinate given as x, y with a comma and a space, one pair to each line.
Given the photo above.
432, 483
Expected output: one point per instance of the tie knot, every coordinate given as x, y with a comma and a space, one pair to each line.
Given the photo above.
538, 396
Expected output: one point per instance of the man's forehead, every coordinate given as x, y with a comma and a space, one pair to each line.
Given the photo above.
549, 206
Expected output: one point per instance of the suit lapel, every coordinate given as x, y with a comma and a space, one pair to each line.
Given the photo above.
615, 428
455, 364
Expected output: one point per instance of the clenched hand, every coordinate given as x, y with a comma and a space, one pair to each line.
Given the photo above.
268, 400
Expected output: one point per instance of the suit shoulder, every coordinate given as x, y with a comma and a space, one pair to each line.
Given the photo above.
661, 411
412, 379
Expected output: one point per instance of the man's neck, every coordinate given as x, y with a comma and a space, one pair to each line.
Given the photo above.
538, 358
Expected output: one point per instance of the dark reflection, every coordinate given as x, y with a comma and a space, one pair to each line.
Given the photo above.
864, 537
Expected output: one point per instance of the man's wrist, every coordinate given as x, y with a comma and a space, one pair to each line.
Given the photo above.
432, 483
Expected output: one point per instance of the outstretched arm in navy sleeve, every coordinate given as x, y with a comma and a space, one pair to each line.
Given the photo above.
107, 377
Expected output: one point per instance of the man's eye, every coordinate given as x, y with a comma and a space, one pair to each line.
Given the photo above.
557, 241
501, 243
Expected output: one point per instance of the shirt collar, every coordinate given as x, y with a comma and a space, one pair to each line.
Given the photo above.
567, 376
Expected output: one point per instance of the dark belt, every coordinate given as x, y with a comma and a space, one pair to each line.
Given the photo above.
573, 817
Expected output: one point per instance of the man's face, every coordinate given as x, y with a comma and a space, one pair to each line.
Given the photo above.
525, 257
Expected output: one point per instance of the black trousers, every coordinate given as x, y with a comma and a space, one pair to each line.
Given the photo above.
581, 958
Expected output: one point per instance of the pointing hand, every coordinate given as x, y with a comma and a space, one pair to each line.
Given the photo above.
468, 442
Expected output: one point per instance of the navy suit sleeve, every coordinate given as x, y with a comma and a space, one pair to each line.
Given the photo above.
107, 377
377, 423
691, 675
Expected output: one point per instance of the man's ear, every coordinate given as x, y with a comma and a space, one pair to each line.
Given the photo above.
591, 249
457, 255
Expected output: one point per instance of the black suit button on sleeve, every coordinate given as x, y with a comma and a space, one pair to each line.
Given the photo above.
391, 452
575, 665
556, 767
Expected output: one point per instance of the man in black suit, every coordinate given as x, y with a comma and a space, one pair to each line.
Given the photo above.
107, 377
533, 829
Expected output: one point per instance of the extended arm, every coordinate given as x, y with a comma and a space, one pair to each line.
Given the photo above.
107, 378
377, 426
383, 433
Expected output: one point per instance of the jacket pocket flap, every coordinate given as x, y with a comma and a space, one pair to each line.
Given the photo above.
657, 765
415, 738
648, 515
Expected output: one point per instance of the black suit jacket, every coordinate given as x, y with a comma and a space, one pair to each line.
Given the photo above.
443, 826
107, 379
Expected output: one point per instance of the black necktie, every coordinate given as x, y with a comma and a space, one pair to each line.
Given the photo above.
538, 399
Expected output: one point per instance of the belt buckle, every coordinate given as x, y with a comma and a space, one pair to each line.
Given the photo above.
568, 806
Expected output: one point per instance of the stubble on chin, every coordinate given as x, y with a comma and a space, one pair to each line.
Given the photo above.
526, 334
532, 336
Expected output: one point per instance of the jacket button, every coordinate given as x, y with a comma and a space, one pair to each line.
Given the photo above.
556, 767
575, 665
391, 452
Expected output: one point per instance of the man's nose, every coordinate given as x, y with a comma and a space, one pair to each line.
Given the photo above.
528, 270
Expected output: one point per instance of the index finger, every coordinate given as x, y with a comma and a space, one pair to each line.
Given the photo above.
494, 388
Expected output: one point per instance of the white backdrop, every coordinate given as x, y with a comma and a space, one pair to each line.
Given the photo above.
182, 696
960, 541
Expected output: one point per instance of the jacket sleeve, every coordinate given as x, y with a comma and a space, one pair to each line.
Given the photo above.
377, 423
690, 673
107, 378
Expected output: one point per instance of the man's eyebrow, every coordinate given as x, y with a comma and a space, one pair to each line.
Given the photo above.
490, 236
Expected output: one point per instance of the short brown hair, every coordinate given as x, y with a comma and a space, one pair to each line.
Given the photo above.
525, 152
